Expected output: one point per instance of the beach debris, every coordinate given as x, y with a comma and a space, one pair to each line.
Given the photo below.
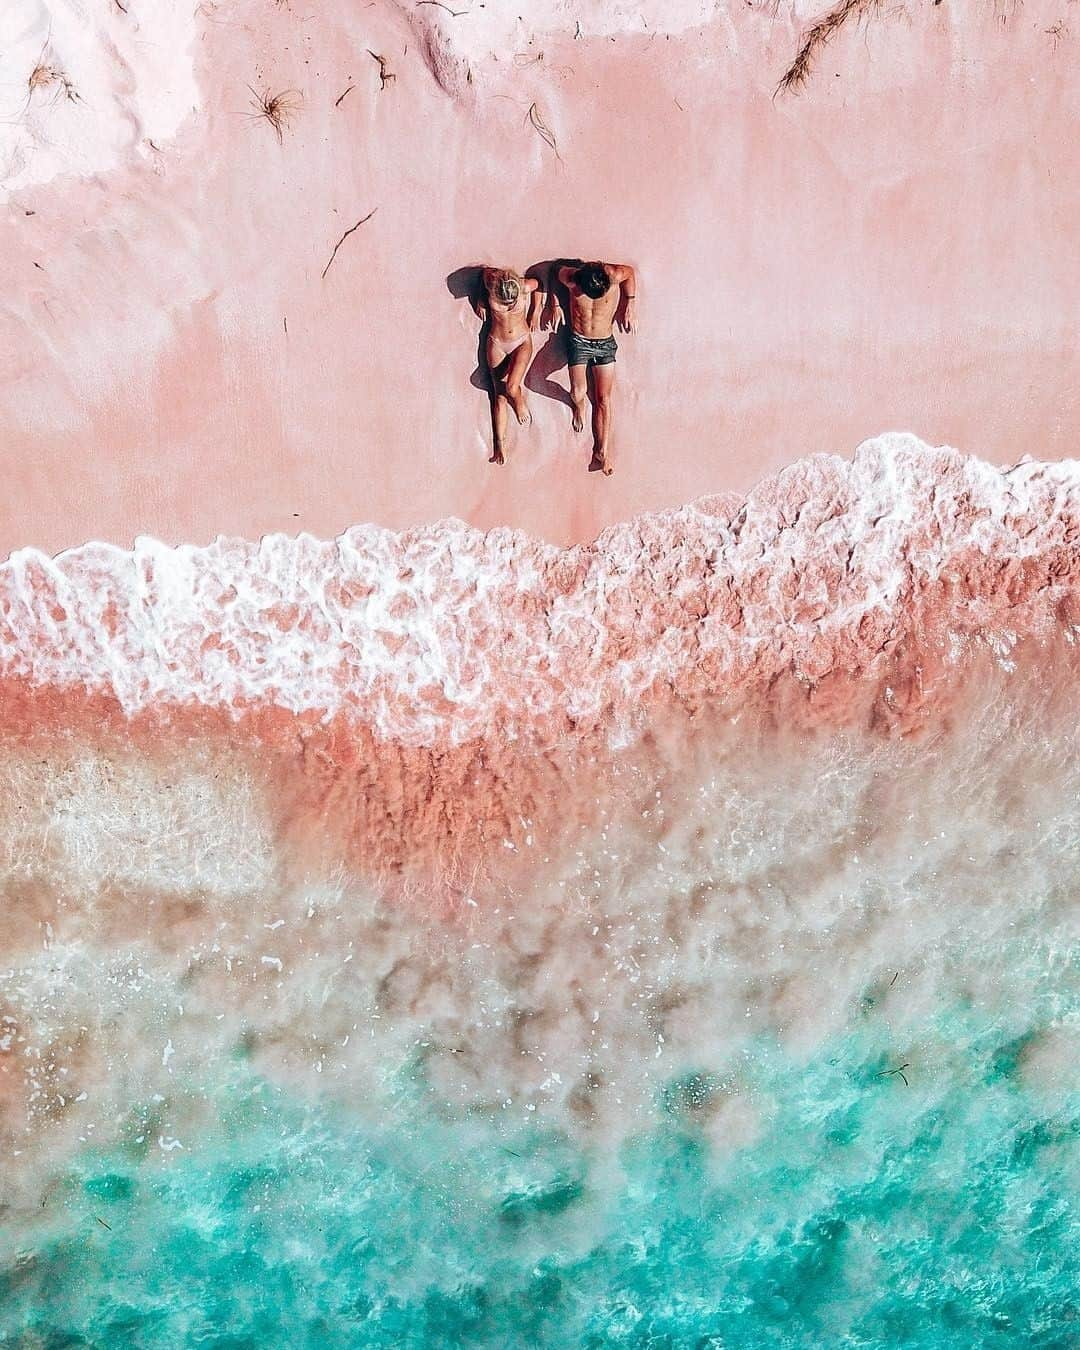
277, 109
104, 1224
577, 31
341, 97
120, 7
1057, 31
44, 76
894, 979
352, 229
385, 73
894, 1073
819, 35
454, 13
543, 130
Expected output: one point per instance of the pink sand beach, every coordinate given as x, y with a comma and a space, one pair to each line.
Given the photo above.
886, 247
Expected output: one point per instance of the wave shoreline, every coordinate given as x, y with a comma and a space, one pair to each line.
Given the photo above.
883, 568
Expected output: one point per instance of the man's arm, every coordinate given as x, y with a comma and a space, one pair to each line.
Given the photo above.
625, 278
561, 275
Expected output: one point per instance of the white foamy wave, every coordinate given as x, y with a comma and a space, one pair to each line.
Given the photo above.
440, 634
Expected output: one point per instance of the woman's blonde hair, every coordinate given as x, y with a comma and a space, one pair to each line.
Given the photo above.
507, 287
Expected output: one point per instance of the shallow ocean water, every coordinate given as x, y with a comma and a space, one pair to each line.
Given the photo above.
820, 1091
865, 1213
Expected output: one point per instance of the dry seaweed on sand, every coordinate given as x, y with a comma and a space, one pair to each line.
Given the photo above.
817, 38
277, 109
454, 13
345, 236
44, 76
543, 130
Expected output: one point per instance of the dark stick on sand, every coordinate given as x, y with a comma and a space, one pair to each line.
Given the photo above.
345, 236
338, 102
454, 13
385, 75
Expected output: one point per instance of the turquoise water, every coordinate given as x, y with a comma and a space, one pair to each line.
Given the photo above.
866, 1212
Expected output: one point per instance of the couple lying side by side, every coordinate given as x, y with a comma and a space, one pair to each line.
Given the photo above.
515, 306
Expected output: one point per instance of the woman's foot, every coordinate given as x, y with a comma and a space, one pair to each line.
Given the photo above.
520, 405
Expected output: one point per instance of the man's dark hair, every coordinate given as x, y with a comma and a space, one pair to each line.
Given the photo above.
593, 279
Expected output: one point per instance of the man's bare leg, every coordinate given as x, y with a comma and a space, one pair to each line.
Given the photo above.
579, 393
515, 376
603, 384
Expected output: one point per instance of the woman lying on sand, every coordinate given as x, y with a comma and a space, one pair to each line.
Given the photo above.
509, 346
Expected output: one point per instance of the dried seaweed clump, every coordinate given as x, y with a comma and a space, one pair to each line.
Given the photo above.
277, 109
818, 37
44, 76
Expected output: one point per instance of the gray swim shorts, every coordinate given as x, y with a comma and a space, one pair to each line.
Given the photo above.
583, 351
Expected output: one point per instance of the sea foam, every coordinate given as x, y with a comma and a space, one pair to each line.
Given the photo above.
441, 635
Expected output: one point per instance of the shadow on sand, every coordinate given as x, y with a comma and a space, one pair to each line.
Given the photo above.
549, 347
465, 284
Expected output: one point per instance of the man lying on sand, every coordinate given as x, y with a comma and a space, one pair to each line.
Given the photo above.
596, 292
509, 345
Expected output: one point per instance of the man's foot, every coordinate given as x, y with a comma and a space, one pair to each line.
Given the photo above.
600, 464
497, 457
